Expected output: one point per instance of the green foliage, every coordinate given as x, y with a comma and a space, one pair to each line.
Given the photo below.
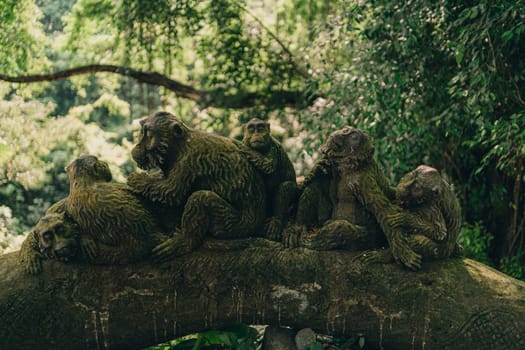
52, 12
506, 144
9, 240
476, 242
316, 346
438, 83
21, 36
218, 42
20, 132
35, 150
236, 337
515, 265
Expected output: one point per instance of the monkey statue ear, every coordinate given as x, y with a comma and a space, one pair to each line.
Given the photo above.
62, 216
103, 167
176, 129
107, 173
69, 219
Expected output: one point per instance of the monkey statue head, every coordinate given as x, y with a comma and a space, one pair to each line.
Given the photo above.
256, 135
161, 135
349, 146
57, 236
88, 169
420, 186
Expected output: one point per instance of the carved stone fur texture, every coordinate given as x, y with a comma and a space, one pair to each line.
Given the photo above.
99, 222
359, 198
268, 156
55, 236
119, 221
432, 215
220, 192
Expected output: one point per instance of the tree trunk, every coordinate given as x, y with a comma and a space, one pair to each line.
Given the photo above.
452, 304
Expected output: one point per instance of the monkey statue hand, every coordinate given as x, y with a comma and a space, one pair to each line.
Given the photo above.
403, 254
273, 229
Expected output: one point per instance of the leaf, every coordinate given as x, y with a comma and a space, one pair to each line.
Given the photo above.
241, 330
185, 345
474, 13
361, 342
5, 153
316, 346
198, 343
459, 54
216, 337
507, 35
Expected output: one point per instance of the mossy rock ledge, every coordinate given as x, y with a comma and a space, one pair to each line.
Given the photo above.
450, 304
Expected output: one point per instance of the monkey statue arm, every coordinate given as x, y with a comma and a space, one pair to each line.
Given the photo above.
428, 248
265, 163
171, 189
384, 185
451, 210
29, 255
321, 169
434, 227
375, 200
103, 253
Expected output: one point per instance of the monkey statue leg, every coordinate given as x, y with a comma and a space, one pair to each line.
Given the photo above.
205, 212
337, 234
377, 256
309, 207
426, 247
283, 201
432, 250
429, 249
129, 250
306, 218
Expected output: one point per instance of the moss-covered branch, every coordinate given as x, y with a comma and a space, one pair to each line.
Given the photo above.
452, 304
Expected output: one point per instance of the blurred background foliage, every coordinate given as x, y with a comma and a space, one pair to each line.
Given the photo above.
439, 83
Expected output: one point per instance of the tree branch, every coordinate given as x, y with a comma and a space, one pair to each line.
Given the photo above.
209, 98
448, 305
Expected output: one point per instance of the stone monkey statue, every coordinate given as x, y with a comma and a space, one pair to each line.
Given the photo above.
99, 222
110, 213
348, 196
55, 236
431, 218
220, 192
267, 155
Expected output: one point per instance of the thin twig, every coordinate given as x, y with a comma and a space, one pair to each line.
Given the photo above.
291, 57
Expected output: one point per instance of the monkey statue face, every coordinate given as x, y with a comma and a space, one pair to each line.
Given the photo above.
88, 168
420, 186
348, 145
256, 135
57, 237
158, 140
